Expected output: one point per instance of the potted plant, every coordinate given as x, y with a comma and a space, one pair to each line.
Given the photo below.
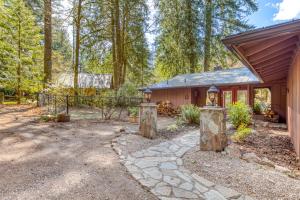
133, 114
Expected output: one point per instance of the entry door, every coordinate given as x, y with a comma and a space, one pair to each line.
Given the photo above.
227, 98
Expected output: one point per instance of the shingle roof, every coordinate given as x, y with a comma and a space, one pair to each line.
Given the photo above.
233, 76
85, 80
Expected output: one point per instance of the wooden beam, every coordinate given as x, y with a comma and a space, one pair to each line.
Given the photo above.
273, 61
273, 65
271, 72
239, 53
277, 75
273, 56
267, 43
272, 50
271, 69
266, 55
273, 78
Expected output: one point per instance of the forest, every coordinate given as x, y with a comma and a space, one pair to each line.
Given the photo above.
40, 39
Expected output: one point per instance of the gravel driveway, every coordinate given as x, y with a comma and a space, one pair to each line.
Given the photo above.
62, 161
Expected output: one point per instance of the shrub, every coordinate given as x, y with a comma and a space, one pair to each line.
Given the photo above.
239, 113
172, 127
190, 114
242, 133
128, 90
133, 111
257, 108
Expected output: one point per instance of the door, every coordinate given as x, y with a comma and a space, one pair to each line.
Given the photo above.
242, 96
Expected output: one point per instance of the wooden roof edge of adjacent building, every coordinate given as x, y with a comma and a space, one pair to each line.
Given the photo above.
256, 44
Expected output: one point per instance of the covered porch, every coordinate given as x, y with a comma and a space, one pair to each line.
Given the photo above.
272, 53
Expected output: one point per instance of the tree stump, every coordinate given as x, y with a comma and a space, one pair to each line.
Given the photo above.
63, 117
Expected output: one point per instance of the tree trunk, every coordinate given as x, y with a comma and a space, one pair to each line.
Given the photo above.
19, 93
118, 42
113, 41
123, 43
191, 38
208, 33
77, 47
48, 43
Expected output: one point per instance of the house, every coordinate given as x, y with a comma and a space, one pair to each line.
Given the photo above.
271, 56
88, 84
235, 84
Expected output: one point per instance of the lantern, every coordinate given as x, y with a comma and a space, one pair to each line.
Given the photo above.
213, 92
147, 95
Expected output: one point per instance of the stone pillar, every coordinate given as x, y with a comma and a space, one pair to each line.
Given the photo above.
148, 120
212, 129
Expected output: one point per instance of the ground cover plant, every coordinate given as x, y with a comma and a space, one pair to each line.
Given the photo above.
190, 114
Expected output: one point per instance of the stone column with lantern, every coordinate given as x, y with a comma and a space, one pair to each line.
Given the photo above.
212, 124
148, 116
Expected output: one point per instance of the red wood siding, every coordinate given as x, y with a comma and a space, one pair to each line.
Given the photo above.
293, 102
177, 97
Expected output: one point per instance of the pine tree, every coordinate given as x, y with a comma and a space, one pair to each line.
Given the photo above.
23, 40
178, 41
48, 42
223, 18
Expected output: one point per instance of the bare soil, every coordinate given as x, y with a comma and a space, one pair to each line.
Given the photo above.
252, 179
61, 161
274, 144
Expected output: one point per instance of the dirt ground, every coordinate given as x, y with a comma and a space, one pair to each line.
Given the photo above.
274, 144
255, 180
61, 161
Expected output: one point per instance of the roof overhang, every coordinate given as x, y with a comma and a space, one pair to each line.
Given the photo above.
268, 52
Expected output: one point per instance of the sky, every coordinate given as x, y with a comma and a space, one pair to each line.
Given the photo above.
275, 11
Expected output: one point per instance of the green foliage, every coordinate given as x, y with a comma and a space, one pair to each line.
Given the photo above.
242, 133
128, 90
172, 127
133, 111
239, 113
181, 33
257, 109
178, 42
20, 47
190, 114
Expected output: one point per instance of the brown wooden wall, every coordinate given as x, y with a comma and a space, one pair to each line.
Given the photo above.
177, 97
293, 102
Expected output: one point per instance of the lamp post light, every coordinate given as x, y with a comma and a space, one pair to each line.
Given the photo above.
213, 92
147, 95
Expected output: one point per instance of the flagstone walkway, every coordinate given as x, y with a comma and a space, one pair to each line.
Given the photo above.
160, 169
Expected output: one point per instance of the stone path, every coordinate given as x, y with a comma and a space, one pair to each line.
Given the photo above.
160, 169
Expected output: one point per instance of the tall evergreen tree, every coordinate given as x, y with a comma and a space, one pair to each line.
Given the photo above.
178, 40
23, 41
223, 18
48, 42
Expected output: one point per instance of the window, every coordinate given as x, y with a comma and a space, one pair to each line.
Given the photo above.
227, 98
242, 96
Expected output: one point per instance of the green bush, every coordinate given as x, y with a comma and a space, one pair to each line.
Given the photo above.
239, 113
128, 90
190, 114
242, 133
133, 111
257, 108
172, 127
